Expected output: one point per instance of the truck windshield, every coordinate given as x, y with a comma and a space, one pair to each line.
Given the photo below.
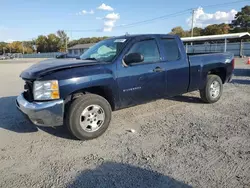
105, 50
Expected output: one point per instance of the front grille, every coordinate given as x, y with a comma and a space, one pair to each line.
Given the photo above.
28, 91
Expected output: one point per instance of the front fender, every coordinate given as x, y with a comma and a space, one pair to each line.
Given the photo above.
72, 85
74, 79
77, 79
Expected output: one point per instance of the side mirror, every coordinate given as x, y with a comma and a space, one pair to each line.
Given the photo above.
133, 58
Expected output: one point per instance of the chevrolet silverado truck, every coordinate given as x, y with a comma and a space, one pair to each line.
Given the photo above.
118, 73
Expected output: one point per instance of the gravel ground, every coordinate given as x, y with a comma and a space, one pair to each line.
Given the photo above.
22, 60
178, 143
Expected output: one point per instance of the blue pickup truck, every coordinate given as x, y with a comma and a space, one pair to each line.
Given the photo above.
117, 73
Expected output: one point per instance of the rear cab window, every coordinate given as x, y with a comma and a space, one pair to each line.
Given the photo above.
171, 49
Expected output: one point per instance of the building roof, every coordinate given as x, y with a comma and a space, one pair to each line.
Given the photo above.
216, 37
81, 46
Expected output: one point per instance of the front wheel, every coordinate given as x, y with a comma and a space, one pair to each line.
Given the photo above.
88, 116
212, 91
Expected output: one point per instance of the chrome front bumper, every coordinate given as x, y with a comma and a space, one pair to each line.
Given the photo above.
48, 114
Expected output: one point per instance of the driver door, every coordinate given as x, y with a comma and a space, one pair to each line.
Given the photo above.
145, 81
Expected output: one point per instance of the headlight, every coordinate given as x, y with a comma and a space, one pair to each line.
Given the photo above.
46, 90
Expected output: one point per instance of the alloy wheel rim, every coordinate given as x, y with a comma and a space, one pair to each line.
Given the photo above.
92, 118
215, 89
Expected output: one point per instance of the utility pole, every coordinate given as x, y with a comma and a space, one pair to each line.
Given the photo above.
192, 25
23, 47
66, 41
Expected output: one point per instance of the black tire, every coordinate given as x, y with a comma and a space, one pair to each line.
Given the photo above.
205, 92
75, 110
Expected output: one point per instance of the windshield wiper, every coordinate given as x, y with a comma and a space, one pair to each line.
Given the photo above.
91, 58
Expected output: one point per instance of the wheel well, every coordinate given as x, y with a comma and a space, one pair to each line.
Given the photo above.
98, 90
221, 72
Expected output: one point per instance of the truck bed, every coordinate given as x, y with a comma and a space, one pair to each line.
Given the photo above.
200, 64
203, 53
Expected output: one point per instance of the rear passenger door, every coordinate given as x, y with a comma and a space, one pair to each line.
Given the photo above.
144, 81
177, 67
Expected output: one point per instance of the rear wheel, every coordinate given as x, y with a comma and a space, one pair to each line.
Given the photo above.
212, 91
88, 116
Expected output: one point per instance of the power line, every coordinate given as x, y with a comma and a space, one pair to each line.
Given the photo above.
179, 13
140, 22
154, 19
224, 4
167, 16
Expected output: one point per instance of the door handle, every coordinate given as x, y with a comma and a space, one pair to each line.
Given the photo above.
158, 69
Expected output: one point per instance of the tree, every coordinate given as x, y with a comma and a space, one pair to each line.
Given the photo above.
86, 40
53, 43
64, 39
15, 47
28, 46
179, 31
241, 23
216, 29
3, 47
225, 28
197, 31
50, 43
41, 43
61, 34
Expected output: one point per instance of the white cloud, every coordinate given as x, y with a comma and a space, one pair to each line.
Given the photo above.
203, 19
109, 21
9, 40
105, 7
84, 12
99, 18
112, 16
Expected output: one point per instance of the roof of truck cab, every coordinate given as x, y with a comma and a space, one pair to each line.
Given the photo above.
140, 35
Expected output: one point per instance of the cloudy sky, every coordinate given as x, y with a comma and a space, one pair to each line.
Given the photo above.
27, 20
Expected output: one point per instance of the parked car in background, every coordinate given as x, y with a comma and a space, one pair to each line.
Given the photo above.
2, 57
118, 73
66, 55
6, 56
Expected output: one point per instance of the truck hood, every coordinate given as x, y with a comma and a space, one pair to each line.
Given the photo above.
48, 66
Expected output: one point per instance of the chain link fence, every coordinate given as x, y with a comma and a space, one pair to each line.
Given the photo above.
237, 48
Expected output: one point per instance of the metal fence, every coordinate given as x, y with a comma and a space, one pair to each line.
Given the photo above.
41, 55
236, 48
